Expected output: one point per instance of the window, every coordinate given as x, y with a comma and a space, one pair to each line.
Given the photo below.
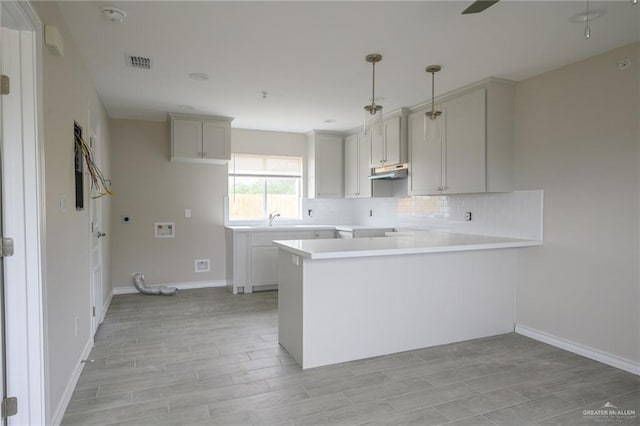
261, 184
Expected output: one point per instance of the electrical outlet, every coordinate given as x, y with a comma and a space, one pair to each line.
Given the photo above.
187, 213
467, 216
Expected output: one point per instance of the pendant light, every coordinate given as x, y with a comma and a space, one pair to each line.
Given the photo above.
373, 113
433, 69
587, 28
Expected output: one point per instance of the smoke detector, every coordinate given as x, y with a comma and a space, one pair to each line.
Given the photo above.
139, 62
113, 14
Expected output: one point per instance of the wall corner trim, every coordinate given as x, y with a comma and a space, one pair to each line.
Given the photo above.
580, 349
56, 419
130, 289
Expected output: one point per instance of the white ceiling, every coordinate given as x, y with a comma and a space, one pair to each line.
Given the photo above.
309, 56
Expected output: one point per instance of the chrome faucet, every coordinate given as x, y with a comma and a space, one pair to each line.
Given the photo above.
272, 216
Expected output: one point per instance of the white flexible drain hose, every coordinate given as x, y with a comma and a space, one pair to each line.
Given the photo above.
138, 281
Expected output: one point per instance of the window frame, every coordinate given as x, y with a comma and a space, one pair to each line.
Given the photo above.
231, 175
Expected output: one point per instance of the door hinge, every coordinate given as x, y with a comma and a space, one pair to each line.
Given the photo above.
4, 84
9, 407
6, 247
94, 311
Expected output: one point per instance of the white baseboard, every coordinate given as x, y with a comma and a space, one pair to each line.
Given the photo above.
105, 306
130, 289
580, 349
71, 385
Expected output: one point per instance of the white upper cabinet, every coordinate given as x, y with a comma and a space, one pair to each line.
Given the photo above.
390, 147
356, 166
464, 143
200, 139
426, 139
325, 170
351, 166
467, 149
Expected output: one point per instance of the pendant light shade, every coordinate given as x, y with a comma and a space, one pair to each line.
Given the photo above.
373, 113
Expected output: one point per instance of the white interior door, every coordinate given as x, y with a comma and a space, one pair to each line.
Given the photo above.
97, 236
3, 342
20, 153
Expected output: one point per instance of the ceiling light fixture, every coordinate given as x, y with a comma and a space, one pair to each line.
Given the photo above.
433, 69
199, 76
113, 14
373, 112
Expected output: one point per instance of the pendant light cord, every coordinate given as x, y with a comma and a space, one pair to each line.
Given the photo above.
587, 29
373, 89
433, 94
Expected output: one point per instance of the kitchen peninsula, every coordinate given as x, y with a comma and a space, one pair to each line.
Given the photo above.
342, 300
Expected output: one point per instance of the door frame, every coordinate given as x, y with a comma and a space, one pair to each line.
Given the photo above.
26, 356
95, 211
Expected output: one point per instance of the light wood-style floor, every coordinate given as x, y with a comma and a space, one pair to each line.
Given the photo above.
209, 357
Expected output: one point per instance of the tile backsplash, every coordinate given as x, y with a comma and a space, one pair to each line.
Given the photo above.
515, 214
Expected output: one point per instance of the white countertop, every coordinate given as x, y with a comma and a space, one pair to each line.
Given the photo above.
351, 228
410, 243
274, 228
289, 227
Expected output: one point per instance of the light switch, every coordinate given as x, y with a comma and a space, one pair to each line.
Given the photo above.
63, 203
187, 213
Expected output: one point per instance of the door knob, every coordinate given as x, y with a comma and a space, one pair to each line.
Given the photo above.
101, 234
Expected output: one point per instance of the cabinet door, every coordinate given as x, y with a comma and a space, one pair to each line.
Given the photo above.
324, 234
264, 265
378, 156
392, 141
186, 138
215, 141
364, 183
329, 166
351, 166
370, 233
465, 156
425, 145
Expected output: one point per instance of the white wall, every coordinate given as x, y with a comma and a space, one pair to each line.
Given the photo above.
68, 95
577, 139
268, 143
149, 188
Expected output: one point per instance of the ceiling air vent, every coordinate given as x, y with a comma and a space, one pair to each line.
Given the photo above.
139, 62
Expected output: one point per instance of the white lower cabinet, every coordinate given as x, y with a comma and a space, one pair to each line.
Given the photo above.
252, 259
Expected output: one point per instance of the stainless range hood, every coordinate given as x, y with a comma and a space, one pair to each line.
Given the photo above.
397, 171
